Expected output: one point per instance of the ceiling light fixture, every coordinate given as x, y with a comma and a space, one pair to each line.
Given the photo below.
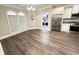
31, 8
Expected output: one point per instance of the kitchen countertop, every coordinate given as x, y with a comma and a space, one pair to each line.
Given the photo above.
70, 20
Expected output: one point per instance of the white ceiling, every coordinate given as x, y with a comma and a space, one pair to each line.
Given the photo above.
23, 6
38, 5
35, 5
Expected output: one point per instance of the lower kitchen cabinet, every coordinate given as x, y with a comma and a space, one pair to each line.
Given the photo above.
65, 27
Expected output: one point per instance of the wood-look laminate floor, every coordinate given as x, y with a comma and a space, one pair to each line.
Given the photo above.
41, 42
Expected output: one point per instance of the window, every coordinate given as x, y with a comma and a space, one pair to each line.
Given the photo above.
13, 21
21, 14
22, 20
17, 21
11, 13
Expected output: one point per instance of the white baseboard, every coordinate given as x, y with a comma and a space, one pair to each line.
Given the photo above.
13, 33
17, 32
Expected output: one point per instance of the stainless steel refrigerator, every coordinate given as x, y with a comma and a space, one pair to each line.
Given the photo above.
56, 22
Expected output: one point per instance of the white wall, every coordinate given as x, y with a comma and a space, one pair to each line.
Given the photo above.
4, 26
58, 10
4, 29
32, 23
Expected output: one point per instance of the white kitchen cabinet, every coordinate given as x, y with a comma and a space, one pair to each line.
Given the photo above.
65, 27
75, 9
67, 12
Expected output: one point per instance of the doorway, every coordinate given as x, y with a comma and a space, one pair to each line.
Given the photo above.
45, 21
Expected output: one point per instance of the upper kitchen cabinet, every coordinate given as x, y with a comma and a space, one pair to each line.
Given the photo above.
75, 9
67, 12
